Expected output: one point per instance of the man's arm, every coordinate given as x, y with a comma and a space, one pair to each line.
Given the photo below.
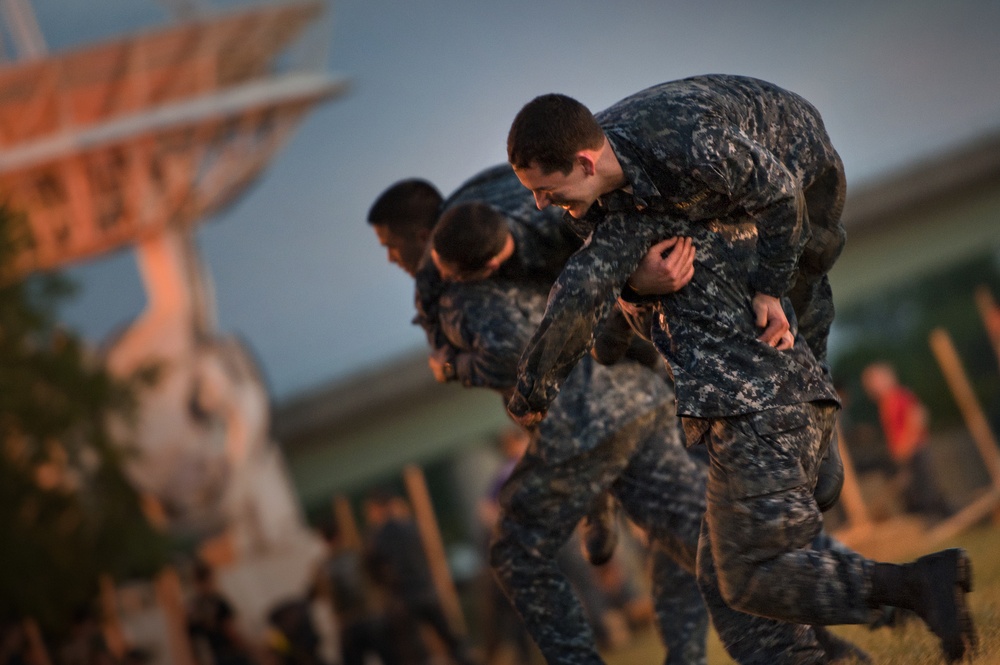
754, 179
581, 298
488, 325
666, 268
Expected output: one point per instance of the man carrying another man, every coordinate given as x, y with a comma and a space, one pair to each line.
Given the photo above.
746, 170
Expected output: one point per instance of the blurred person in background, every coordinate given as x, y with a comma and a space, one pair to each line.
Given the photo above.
398, 563
905, 426
212, 623
358, 605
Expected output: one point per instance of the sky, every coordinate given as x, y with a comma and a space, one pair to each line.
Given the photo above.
300, 276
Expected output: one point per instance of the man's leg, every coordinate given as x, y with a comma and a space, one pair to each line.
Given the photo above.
762, 519
663, 490
541, 503
680, 612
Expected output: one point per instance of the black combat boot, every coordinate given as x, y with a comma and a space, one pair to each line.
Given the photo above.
933, 586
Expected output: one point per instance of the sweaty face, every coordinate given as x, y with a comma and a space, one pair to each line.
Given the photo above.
574, 192
404, 248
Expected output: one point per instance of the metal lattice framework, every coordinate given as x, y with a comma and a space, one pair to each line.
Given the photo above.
104, 145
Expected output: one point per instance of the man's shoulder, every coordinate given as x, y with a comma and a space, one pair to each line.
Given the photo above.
494, 183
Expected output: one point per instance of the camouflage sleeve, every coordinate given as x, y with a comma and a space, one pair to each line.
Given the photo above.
429, 288
582, 297
753, 178
488, 332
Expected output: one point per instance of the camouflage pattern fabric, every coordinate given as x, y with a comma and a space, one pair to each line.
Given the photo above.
724, 160
543, 243
711, 147
611, 429
761, 525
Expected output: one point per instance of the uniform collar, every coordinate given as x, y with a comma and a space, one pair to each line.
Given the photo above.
644, 192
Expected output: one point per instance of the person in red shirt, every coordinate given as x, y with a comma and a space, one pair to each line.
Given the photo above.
904, 423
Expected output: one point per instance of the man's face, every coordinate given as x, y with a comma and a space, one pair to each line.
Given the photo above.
405, 247
574, 192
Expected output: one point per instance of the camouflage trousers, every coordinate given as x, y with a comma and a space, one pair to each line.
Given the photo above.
762, 545
659, 487
662, 488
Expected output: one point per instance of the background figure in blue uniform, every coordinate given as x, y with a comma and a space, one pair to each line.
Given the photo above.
727, 161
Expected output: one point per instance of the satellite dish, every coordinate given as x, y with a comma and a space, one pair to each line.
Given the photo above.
106, 144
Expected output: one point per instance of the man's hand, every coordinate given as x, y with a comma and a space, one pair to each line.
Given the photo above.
521, 413
661, 272
771, 317
529, 419
440, 362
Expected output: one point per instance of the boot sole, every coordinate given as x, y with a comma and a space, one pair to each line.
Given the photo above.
963, 580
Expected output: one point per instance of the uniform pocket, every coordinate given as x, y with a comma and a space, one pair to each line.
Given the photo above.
773, 451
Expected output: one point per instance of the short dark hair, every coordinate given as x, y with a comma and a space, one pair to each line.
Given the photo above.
408, 203
549, 130
469, 235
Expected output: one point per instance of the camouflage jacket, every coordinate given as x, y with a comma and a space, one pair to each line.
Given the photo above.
542, 243
489, 321
719, 147
721, 160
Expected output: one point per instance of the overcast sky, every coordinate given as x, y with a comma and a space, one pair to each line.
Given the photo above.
435, 84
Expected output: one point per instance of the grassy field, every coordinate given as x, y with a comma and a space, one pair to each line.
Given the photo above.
910, 644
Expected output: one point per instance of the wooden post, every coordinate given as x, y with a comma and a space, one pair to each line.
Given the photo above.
171, 600
850, 495
430, 534
36, 645
961, 389
990, 313
111, 624
342, 513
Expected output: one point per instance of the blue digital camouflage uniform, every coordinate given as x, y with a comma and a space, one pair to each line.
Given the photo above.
726, 161
611, 428
718, 145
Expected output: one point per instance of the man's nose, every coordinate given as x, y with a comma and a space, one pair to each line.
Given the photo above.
541, 200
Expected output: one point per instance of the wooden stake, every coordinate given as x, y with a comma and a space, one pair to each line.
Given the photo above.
171, 600
430, 534
850, 495
961, 389
36, 645
990, 313
111, 624
342, 513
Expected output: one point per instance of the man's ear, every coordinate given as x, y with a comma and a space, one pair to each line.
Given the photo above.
588, 160
493, 264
